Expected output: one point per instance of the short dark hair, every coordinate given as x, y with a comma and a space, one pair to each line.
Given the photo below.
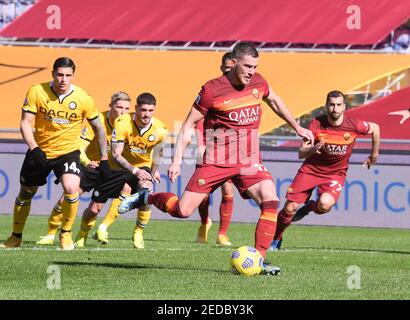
335, 94
227, 56
64, 62
146, 98
242, 49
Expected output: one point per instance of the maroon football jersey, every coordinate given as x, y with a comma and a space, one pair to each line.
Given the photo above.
338, 147
232, 119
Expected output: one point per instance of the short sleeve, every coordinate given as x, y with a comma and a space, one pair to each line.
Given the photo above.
29, 104
90, 111
162, 133
119, 132
203, 102
362, 127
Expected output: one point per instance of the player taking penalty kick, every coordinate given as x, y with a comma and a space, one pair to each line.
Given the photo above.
231, 108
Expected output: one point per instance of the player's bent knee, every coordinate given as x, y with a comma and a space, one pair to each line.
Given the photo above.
324, 207
28, 193
95, 208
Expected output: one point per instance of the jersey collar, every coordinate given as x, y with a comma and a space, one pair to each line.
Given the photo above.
145, 129
62, 96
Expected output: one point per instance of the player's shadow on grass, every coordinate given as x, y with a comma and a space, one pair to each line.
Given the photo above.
134, 266
354, 249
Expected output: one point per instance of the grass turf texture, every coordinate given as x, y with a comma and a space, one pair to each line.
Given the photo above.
314, 263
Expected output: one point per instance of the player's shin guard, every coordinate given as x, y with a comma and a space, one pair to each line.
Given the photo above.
203, 210
69, 208
265, 229
143, 217
284, 220
225, 213
166, 202
20, 214
112, 213
54, 220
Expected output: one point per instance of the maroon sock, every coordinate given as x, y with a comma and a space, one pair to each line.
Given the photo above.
225, 214
203, 210
166, 202
284, 220
265, 229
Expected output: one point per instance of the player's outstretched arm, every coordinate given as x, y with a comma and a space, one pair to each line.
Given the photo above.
184, 138
405, 114
375, 132
279, 107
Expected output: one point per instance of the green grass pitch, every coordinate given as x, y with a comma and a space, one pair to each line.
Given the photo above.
314, 262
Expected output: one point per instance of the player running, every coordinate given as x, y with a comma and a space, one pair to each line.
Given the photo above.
326, 163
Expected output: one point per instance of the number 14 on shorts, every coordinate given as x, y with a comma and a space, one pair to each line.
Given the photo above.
71, 168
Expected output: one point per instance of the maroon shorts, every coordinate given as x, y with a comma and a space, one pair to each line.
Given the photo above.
304, 183
207, 179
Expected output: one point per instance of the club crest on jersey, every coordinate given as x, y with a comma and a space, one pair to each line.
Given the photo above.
255, 93
151, 138
201, 182
72, 105
346, 136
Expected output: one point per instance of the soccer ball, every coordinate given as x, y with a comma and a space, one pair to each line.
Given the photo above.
247, 261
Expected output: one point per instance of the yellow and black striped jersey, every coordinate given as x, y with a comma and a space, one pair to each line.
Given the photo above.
138, 143
58, 119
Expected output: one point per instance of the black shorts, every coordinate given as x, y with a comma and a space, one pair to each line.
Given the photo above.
111, 188
89, 178
32, 174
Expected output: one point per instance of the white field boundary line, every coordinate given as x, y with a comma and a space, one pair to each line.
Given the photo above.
101, 249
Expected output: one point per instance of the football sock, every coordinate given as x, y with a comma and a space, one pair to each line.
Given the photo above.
203, 210
265, 229
112, 213
166, 202
54, 220
143, 217
225, 213
69, 208
284, 220
20, 214
88, 221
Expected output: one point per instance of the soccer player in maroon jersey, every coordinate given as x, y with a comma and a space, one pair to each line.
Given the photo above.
326, 163
231, 108
226, 206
